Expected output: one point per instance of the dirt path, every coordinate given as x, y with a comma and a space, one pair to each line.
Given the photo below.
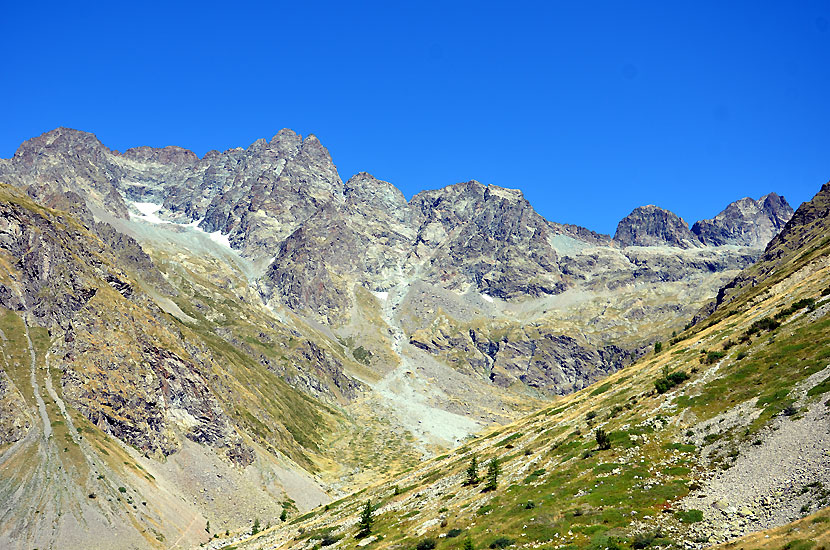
186, 531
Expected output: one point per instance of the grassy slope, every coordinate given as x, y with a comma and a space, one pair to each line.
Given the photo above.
583, 497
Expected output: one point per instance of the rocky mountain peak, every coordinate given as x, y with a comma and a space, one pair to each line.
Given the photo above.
366, 192
59, 141
653, 226
746, 222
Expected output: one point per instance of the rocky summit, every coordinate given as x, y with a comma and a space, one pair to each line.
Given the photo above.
190, 343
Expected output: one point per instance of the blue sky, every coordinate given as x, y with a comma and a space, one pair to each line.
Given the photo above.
591, 108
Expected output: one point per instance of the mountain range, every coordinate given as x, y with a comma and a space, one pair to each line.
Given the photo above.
244, 334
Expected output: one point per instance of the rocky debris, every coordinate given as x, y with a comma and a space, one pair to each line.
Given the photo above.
652, 226
750, 495
746, 222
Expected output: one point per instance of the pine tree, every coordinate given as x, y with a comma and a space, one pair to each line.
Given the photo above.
493, 472
468, 544
472, 471
284, 514
603, 441
255, 527
366, 519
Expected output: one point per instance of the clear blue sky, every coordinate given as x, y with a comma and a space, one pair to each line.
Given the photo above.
591, 108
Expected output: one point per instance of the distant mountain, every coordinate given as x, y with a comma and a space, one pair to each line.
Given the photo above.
746, 222
652, 226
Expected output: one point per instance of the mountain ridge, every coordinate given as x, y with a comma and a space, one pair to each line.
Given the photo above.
321, 333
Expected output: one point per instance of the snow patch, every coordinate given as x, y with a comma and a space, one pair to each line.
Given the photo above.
383, 296
487, 298
218, 238
148, 212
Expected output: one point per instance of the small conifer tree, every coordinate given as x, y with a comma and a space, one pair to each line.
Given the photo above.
255, 527
603, 441
472, 471
468, 544
493, 471
365, 523
284, 514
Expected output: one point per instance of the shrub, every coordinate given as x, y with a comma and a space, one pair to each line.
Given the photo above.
501, 542
690, 516
426, 544
452, 533
712, 357
362, 354
766, 324
329, 539
670, 380
642, 540
658, 347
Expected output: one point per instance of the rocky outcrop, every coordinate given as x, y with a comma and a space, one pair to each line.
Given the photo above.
652, 226
746, 222
808, 223
553, 364
14, 420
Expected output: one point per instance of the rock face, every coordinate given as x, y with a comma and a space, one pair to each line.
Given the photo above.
113, 350
14, 420
746, 222
549, 363
652, 226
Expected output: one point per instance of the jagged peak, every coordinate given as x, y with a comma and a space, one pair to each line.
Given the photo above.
745, 222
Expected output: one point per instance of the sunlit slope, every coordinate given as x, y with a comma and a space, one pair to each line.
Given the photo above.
742, 393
